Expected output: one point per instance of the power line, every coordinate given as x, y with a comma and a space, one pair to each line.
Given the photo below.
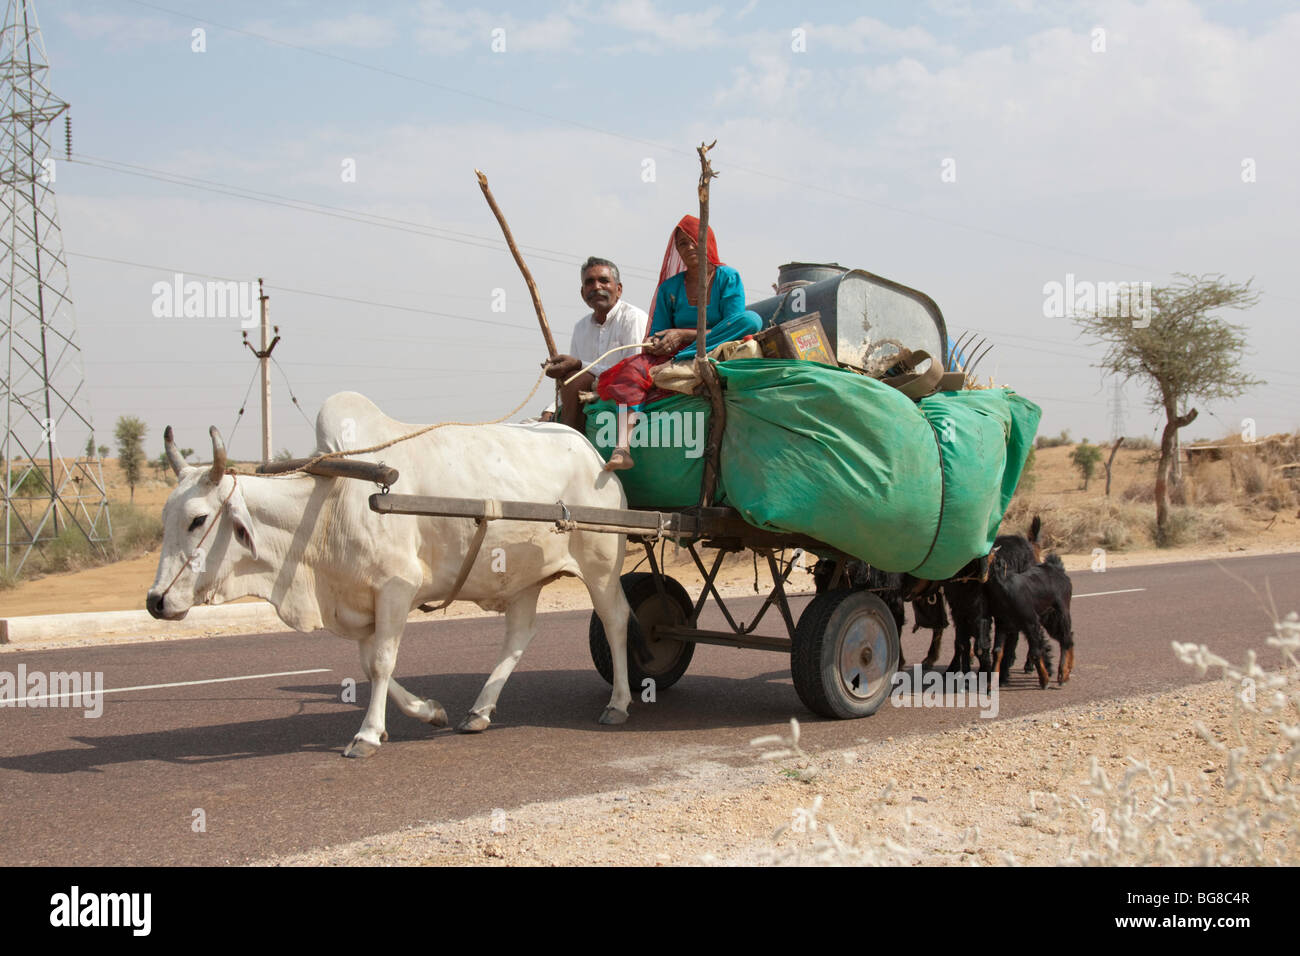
343, 212
323, 295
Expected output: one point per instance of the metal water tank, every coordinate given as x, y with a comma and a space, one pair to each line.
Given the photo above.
867, 317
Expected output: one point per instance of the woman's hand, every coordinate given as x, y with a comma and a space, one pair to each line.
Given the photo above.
670, 341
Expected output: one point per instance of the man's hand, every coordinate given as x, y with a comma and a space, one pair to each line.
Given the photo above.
562, 366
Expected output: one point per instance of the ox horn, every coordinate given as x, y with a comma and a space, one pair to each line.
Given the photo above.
173, 453
218, 456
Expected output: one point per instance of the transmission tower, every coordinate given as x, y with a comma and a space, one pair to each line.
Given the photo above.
1117, 410
46, 409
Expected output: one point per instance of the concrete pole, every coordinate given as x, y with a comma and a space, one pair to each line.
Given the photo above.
265, 357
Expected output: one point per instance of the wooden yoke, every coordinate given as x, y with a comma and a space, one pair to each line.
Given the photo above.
374, 471
708, 374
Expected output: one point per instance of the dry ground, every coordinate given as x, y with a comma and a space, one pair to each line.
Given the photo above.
991, 793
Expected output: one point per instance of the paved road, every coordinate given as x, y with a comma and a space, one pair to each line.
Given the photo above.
260, 757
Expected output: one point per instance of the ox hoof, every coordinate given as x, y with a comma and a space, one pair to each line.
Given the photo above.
360, 748
612, 715
473, 724
438, 714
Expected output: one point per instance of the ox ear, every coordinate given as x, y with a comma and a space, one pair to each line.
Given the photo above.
243, 521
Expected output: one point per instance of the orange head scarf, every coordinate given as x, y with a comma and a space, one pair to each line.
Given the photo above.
673, 262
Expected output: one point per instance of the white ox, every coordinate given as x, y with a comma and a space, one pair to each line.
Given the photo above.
313, 548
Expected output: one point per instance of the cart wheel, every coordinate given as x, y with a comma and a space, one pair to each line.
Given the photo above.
844, 654
663, 659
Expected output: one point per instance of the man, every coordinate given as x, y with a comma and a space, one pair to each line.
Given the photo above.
612, 322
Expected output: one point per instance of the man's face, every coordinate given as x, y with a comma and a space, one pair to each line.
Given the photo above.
599, 290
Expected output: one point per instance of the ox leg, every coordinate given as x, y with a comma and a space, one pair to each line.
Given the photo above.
610, 604
378, 657
421, 708
521, 624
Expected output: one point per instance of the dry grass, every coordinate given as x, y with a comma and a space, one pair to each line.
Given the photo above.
135, 531
1214, 501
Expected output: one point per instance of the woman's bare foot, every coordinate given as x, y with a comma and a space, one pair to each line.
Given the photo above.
619, 460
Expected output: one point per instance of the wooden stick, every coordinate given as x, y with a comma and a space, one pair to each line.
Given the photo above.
702, 247
708, 374
519, 260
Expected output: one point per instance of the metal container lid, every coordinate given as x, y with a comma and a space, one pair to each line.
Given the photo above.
794, 274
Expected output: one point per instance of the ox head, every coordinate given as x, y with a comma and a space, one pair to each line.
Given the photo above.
207, 534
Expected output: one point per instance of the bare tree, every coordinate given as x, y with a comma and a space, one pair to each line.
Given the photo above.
1179, 351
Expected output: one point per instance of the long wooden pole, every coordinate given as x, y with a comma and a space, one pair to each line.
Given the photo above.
263, 357
519, 260
708, 374
702, 248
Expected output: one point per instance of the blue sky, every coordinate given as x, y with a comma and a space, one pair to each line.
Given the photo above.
1118, 164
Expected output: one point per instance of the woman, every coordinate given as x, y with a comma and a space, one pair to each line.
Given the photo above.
674, 321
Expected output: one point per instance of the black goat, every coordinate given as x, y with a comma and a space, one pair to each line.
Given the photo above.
973, 615
1030, 602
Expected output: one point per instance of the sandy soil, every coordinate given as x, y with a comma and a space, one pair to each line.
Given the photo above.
993, 792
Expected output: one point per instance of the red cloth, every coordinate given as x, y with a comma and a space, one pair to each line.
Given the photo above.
629, 382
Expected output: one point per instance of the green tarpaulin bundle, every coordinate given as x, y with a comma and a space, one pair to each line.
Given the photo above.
810, 449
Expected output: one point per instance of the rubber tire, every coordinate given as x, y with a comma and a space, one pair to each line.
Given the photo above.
815, 654
644, 600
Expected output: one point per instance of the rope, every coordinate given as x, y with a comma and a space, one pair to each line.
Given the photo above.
407, 437
211, 524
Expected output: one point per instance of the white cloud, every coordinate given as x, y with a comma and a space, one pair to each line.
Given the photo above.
354, 30
117, 32
656, 31
868, 35
452, 31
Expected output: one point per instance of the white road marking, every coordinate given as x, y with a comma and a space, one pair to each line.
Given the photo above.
184, 683
1103, 593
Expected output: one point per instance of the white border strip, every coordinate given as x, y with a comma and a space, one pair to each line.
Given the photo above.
1103, 593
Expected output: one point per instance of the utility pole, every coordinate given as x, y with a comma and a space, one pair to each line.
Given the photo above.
264, 357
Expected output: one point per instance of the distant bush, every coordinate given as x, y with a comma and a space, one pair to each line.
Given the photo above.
1086, 458
1047, 441
1141, 444
135, 532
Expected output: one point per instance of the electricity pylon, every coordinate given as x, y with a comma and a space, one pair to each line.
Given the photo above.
46, 408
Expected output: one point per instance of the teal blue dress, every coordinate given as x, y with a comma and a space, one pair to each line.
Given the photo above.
726, 318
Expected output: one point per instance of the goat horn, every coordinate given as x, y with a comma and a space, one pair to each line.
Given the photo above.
218, 456
174, 455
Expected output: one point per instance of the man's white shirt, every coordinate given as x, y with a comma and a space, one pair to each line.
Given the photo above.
624, 325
